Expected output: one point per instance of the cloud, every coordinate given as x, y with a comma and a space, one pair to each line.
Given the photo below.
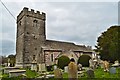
8, 47
61, 0
80, 22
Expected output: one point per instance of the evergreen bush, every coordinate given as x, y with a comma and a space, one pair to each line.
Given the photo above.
84, 60
63, 61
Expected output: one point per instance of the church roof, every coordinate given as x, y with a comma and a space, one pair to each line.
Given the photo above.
52, 44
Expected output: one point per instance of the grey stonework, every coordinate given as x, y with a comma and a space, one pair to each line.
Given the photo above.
31, 39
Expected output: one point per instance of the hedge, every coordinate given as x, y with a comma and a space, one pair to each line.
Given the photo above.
84, 60
63, 61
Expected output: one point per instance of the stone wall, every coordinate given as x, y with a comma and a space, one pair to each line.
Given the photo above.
31, 38
30, 35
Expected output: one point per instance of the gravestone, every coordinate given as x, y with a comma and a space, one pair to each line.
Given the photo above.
90, 73
66, 69
57, 73
55, 67
15, 73
8, 64
116, 64
105, 65
112, 70
34, 65
80, 67
72, 70
7, 69
91, 63
42, 67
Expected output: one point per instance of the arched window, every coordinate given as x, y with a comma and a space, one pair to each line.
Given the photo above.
35, 23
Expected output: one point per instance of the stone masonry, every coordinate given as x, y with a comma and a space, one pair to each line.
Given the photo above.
31, 42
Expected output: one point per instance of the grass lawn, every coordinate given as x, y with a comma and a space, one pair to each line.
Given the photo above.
31, 74
99, 73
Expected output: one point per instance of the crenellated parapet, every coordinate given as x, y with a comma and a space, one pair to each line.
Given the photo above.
31, 13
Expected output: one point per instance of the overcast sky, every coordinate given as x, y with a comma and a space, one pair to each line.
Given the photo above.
78, 22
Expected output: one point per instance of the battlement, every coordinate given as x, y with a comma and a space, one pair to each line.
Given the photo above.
31, 13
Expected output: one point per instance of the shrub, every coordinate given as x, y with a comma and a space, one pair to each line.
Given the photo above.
63, 61
84, 60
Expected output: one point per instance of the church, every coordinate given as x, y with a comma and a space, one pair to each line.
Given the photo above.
32, 45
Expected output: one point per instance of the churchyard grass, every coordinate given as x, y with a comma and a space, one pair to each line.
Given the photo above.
65, 75
31, 74
99, 73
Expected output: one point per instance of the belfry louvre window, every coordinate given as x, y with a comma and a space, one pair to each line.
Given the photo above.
35, 21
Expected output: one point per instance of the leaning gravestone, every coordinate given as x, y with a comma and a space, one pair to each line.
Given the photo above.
112, 70
58, 73
90, 73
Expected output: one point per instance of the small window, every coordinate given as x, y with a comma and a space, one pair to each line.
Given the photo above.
33, 57
35, 37
35, 48
27, 32
35, 21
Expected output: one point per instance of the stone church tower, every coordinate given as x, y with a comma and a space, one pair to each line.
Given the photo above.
30, 37
32, 45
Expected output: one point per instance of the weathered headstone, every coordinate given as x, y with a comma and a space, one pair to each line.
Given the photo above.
101, 64
116, 64
105, 65
72, 69
91, 64
57, 73
90, 73
8, 64
42, 67
112, 70
7, 69
55, 67
66, 69
95, 63
34, 66
80, 67
15, 73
